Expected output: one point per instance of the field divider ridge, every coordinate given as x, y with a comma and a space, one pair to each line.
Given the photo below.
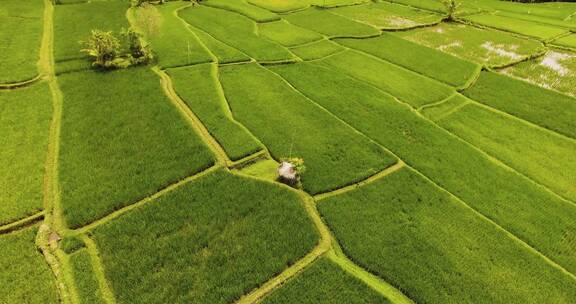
450, 112
22, 223
321, 248
328, 246
21, 84
189, 26
487, 27
52, 223
389, 170
434, 104
539, 53
500, 228
392, 293
221, 156
497, 162
98, 268
490, 157
500, 112
148, 199
215, 74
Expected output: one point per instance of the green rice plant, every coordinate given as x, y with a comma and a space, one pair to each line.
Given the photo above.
25, 275
198, 87
543, 156
25, 116
241, 7
223, 52
22, 9
524, 100
408, 86
438, 111
526, 210
121, 140
487, 47
429, 5
283, 120
316, 50
264, 169
420, 59
437, 250
235, 30
553, 10
328, 24
566, 41
555, 70
174, 44
324, 282
280, 6
239, 233
538, 19
20, 38
73, 24
287, 34
86, 283
388, 16
57, 2
336, 3
71, 243
518, 26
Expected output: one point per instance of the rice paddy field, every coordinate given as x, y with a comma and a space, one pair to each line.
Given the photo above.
439, 152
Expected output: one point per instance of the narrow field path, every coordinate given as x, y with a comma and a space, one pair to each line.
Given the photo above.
146, 200
221, 156
107, 294
21, 84
399, 165
22, 223
392, 293
52, 217
326, 246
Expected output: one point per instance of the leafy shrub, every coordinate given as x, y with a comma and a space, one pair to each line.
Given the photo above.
138, 51
103, 47
109, 52
452, 7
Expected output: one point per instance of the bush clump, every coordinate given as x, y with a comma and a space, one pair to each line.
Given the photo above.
290, 170
109, 52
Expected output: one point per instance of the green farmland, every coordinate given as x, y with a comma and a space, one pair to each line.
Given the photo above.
287, 151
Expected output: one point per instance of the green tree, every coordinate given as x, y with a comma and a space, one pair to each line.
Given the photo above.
452, 7
103, 47
138, 51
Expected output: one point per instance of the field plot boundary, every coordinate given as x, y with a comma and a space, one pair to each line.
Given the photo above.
98, 268
324, 248
393, 29
145, 200
52, 216
22, 223
497, 226
375, 282
221, 156
492, 159
518, 35
21, 84
469, 82
497, 159
397, 166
